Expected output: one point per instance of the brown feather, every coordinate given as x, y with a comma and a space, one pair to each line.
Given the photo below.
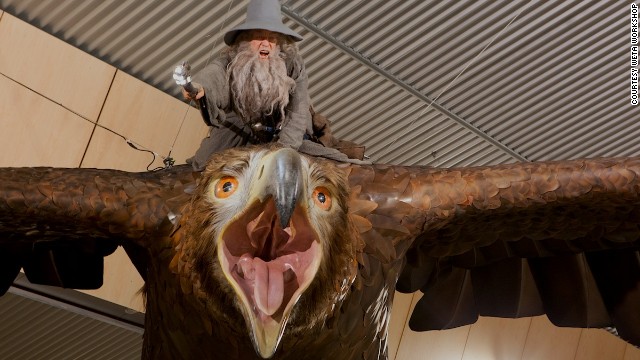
501, 241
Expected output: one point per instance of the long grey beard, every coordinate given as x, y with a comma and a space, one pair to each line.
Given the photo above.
259, 87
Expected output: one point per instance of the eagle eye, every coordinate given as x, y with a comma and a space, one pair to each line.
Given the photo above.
322, 198
226, 186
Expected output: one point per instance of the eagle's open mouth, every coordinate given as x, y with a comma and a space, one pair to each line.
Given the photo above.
268, 263
270, 254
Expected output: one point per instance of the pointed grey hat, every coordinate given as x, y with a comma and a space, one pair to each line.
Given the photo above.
262, 15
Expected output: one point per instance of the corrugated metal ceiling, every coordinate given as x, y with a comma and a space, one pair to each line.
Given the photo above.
41, 322
69, 335
441, 83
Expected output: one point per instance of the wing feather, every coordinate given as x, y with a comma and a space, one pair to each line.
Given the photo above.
449, 305
58, 224
559, 238
513, 240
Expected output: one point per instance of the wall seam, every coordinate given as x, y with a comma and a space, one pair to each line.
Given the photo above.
95, 124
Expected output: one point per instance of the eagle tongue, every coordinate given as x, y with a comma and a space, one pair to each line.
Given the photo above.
269, 286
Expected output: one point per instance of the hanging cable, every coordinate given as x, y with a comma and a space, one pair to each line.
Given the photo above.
169, 160
459, 74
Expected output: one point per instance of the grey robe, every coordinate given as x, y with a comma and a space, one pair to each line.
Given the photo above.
231, 131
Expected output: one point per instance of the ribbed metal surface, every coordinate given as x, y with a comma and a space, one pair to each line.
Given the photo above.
57, 333
418, 82
441, 83
548, 80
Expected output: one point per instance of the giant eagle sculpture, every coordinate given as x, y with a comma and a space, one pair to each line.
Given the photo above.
272, 254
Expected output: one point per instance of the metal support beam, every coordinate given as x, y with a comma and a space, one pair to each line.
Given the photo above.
375, 67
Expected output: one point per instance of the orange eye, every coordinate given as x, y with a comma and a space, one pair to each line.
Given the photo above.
322, 198
226, 186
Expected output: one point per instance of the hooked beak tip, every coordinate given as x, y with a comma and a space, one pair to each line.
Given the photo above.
288, 183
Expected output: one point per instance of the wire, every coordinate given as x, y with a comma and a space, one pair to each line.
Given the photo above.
191, 103
168, 161
135, 146
460, 74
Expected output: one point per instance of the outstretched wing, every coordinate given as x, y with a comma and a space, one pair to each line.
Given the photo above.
513, 240
58, 224
559, 238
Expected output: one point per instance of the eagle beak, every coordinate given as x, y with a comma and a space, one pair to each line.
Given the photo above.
282, 174
286, 188
270, 253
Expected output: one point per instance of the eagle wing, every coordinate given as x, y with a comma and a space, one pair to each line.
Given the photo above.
517, 240
511, 240
58, 224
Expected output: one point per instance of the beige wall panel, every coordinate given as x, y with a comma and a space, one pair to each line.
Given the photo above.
432, 345
399, 317
53, 68
38, 132
547, 341
110, 151
121, 280
191, 133
631, 353
496, 338
144, 114
597, 344
122, 283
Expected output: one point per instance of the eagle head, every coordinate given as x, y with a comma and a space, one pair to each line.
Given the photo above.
271, 239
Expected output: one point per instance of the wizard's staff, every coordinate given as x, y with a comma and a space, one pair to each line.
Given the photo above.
182, 76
